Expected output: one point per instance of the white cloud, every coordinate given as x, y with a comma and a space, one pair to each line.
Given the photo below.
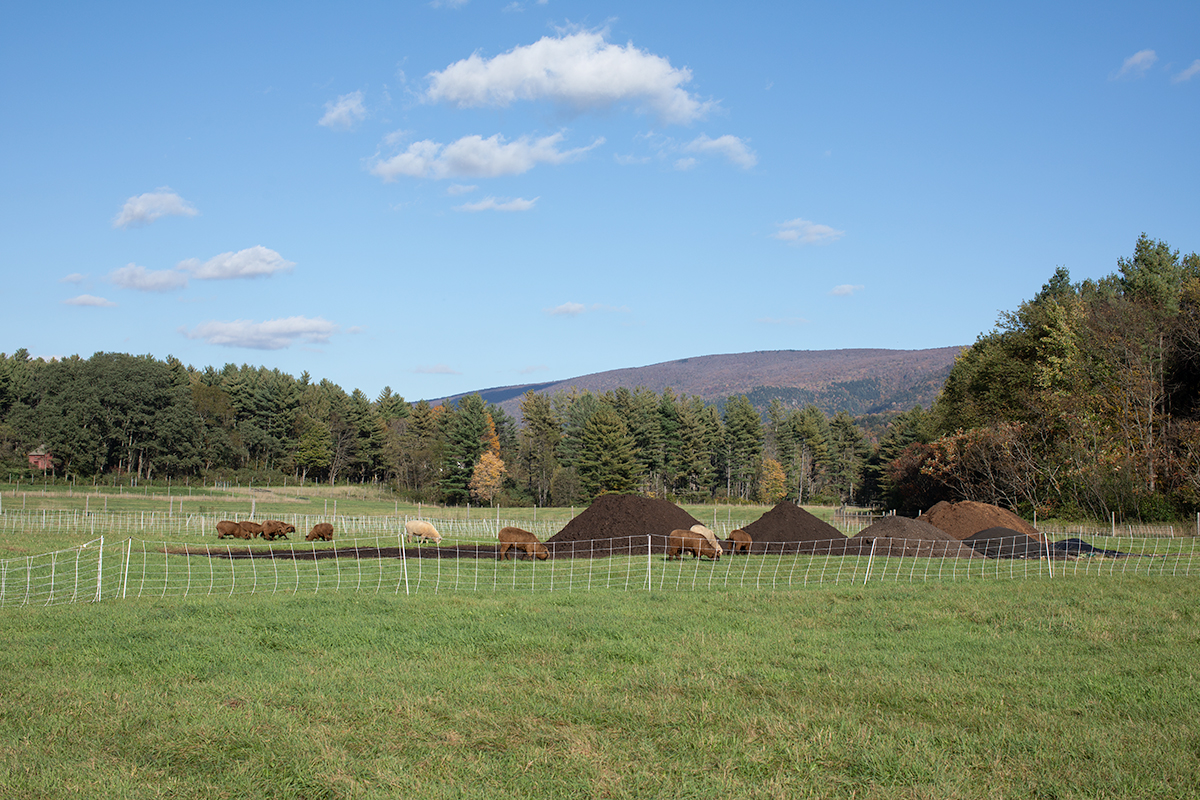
89, 300
492, 204
532, 369
581, 71
476, 157
458, 188
146, 280
253, 262
802, 231
845, 290
1137, 64
274, 334
1188, 73
684, 164
145, 208
436, 369
731, 147
575, 309
448, 3
344, 113
74, 277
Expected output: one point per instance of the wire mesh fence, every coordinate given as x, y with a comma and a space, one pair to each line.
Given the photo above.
370, 554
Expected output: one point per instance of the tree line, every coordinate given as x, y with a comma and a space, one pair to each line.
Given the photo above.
137, 418
1082, 402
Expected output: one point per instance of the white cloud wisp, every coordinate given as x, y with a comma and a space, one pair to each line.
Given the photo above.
731, 147
1188, 73
253, 262
146, 208
476, 157
802, 231
275, 334
494, 204
580, 71
344, 113
1137, 64
146, 280
89, 300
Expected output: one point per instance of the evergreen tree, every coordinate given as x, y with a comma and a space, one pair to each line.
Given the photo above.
607, 461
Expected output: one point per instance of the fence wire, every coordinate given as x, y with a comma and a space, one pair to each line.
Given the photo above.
370, 555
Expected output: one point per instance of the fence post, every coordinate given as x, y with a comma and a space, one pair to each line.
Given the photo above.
1049, 560
403, 561
870, 558
649, 561
99, 571
125, 571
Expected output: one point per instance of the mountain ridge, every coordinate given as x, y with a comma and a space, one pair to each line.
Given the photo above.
856, 380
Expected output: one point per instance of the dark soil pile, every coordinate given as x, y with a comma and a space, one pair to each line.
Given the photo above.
900, 536
620, 524
1007, 543
787, 528
968, 518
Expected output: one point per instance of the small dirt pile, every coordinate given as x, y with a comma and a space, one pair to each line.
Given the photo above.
617, 524
901, 536
1008, 543
969, 517
787, 528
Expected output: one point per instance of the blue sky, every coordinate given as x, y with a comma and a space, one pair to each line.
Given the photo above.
447, 196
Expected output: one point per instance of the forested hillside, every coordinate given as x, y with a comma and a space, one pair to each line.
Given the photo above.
1083, 401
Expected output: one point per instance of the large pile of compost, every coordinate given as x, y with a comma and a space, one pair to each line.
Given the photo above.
787, 528
620, 524
969, 517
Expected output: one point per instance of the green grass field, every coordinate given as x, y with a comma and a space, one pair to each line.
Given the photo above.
1080, 686
1063, 689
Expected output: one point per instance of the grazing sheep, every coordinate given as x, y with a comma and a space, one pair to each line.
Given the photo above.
708, 534
422, 531
273, 529
252, 529
739, 541
227, 529
322, 530
518, 539
690, 542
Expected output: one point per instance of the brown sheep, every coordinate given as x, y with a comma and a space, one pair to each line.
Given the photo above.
690, 542
227, 529
252, 529
518, 539
322, 530
739, 541
274, 529
422, 531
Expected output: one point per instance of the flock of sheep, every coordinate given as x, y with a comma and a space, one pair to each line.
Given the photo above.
270, 530
699, 540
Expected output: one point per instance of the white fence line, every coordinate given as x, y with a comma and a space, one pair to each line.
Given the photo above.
133, 568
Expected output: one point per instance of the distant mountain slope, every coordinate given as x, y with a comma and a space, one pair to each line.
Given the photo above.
860, 381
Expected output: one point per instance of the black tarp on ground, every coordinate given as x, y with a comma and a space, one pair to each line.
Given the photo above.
1007, 543
1078, 547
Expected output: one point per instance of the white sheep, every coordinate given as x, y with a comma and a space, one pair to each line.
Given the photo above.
707, 534
422, 531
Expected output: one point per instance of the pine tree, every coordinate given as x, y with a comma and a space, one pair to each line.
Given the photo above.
607, 462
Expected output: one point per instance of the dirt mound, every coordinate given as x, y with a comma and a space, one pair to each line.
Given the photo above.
1008, 543
620, 524
787, 528
900, 536
969, 517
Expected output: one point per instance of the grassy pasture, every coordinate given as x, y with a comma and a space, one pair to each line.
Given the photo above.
1068, 688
